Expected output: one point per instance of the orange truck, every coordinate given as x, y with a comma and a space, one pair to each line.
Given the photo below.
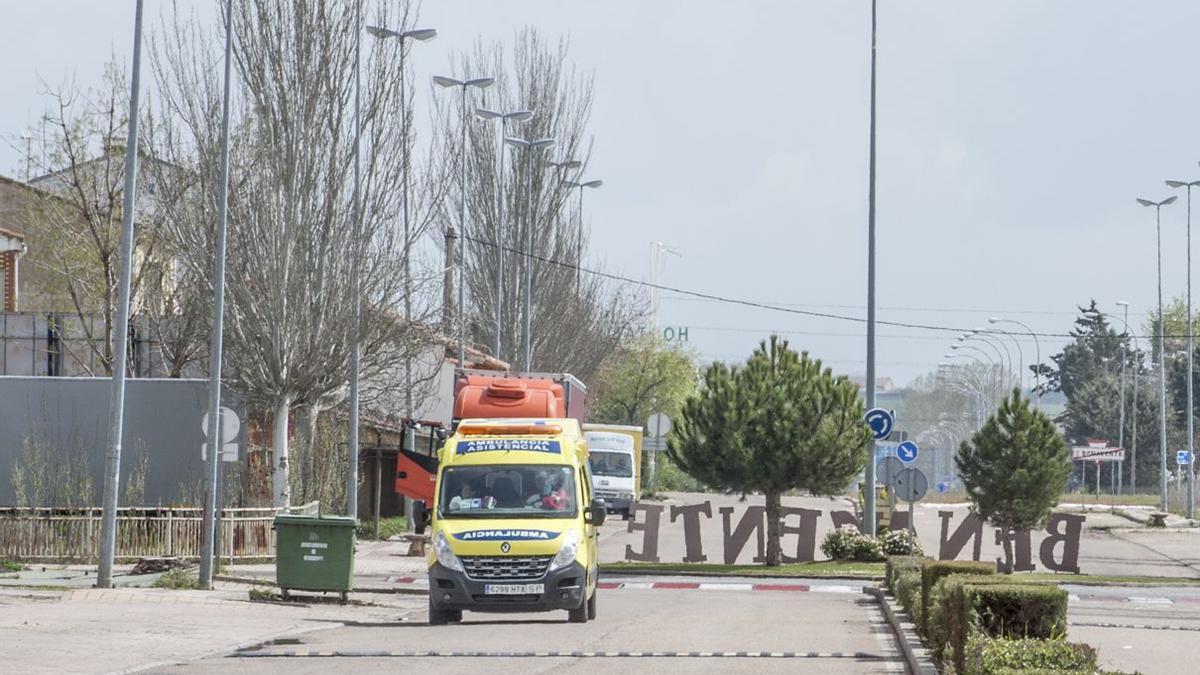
490, 394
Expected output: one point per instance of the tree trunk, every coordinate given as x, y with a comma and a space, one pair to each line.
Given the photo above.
281, 491
306, 433
1008, 552
774, 550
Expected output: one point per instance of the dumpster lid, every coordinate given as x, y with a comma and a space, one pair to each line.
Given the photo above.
315, 521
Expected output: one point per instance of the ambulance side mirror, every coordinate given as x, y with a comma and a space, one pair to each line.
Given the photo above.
420, 516
596, 513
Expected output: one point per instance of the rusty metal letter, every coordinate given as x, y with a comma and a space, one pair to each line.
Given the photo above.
950, 547
691, 529
649, 526
806, 542
1070, 539
752, 521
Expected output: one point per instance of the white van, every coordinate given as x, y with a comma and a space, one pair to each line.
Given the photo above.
614, 469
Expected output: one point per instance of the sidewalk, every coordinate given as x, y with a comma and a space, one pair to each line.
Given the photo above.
79, 629
378, 566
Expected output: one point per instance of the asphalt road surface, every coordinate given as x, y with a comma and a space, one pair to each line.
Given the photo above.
644, 625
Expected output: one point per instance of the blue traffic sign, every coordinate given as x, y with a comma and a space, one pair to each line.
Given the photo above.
881, 422
907, 451
943, 486
1182, 458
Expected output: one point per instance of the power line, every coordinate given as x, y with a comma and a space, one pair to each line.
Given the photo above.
791, 310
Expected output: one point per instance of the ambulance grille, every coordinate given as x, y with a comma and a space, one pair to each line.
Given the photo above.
505, 567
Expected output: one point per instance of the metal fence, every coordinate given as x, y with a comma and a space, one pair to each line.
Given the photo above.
73, 535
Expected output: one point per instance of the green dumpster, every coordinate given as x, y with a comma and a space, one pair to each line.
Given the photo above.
314, 553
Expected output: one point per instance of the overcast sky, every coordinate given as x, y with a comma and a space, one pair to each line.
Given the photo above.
1014, 136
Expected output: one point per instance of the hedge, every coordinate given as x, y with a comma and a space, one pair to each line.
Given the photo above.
931, 572
908, 591
897, 563
941, 620
994, 610
988, 656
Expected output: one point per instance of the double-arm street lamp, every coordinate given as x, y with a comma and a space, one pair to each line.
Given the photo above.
504, 117
528, 147
1191, 433
1037, 380
579, 233
1162, 354
463, 85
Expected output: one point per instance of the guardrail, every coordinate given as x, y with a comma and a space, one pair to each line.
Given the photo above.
73, 535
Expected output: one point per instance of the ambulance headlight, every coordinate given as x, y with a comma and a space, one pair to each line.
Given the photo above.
441, 548
566, 554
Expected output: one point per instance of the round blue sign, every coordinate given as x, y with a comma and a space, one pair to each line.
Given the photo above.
881, 422
907, 451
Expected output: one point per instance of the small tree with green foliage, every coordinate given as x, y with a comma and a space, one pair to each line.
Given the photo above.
779, 423
1014, 469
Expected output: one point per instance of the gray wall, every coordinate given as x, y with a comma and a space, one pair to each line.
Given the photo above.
162, 416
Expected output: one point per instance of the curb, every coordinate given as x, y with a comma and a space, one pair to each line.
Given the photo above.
916, 657
258, 581
765, 577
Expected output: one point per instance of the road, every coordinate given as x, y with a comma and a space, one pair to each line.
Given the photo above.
778, 628
1137, 628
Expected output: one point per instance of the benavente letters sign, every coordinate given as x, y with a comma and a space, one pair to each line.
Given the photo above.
1062, 528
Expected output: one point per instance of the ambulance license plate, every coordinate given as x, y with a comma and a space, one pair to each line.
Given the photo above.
514, 589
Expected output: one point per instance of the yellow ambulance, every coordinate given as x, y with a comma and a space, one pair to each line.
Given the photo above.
513, 523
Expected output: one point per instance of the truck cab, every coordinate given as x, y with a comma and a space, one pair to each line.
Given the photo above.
614, 465
513, 523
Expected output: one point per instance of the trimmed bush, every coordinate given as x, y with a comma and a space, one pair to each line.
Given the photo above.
895, 542
838, 543
942, 619
900, 563
987, 656
908, 592
933, 571
848, 544
1002, 610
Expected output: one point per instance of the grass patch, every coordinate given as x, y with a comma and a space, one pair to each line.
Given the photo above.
10, 566
179, 580
1109, 580
823, 568
262, 595
388, 527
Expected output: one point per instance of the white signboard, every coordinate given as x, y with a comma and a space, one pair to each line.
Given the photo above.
658, 425
230, 426
1088, 453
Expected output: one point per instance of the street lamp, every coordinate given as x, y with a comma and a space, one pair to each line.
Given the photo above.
1020, 353
1191, 435
528, 147
976, 335
1121, 428
481, 83
421, 35
504, 117
1162, 352
579, 259
1037, 379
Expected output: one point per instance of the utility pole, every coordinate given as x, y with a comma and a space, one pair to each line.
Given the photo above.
215, 442
116, 406
869, 492
356, 282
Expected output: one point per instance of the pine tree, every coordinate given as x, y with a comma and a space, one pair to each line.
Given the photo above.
779, 423
1014, 469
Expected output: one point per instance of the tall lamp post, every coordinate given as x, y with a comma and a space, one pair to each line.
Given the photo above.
463, 85
1037, 380
1191, 433
869, 493
116, 399
1121, 426
1020, 354
579, 233
504, 117
1162, 354
526, 335
422, 35
215, 442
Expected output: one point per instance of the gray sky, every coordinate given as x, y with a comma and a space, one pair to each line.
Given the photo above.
1013, 139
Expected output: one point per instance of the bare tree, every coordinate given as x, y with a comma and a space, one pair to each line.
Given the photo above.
76, 216
292, 244
575, 325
